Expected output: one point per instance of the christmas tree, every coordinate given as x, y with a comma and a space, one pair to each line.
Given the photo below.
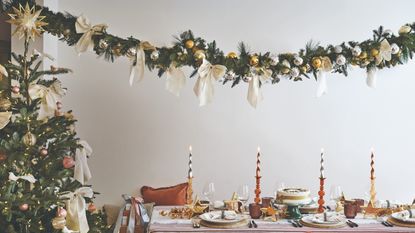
43, 164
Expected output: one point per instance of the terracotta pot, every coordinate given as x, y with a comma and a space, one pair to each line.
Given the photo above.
350, 209
255, 210
266, 202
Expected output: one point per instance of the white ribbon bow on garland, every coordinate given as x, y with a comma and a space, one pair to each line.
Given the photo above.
83, 25
326, 66
208, 73
81, 171
254, 90
138, 61
4, 119
29, 178
385, 54
48, 95
76, 206
175, 80
3, 72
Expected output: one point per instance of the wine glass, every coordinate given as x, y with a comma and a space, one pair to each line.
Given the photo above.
278, 186
335, 195
209, 192
243, 194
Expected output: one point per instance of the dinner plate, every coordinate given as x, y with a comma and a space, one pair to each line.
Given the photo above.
403, 216
311, 221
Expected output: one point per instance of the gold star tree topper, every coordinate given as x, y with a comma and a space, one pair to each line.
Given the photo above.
28, 21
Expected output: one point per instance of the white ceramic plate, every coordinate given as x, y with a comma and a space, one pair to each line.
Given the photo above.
403, 216
319, 219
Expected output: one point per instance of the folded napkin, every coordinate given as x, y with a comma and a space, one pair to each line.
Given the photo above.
407, 214
332, 218
228, 215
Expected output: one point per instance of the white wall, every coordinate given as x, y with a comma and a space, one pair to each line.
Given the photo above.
140, 134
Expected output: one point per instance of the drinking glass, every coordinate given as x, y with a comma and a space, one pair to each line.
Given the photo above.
209, 192
335, 194
243, 194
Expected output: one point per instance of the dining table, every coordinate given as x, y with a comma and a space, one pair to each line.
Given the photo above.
160, 224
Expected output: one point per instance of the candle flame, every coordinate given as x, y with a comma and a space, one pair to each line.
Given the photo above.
372, 150
190, 148
259, 149
322, 150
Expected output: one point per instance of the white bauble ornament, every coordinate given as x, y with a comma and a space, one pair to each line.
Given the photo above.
387, 32
394, 48
294, 72
340, 60
230, 75
274, 60
103, 44
356, 51
298, 60
131, 52
155, 55
338, 49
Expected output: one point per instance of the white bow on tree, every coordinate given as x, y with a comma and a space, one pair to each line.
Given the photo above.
3, 72
76, 209
175, 80
86, 43
4, 119
138, 61
81, 171
29, 178
49, 97
208, 73
326, 66
385, 54
254, 87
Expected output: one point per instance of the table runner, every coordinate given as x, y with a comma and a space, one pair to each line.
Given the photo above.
160, 224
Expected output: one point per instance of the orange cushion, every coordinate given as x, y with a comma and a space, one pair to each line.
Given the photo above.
173, 195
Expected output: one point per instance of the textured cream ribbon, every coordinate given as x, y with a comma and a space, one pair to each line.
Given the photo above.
48, 95
138, 62
4, 119
175, 80
385, 54
3, 71
30, 178
208, 73
326, 66
81, 171
76, 209
86, 43
254, 90
371, 77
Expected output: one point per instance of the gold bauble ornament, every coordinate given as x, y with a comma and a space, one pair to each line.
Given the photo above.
5, 104
303, 69
29, 139
254, 60
374, 52
232, 55
59, 223
199, 54
363, 55
189, 44
316, 62
285, 70
405, 29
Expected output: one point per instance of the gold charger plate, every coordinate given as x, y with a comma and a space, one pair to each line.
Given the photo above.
400, 223
319, 225
242, 223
